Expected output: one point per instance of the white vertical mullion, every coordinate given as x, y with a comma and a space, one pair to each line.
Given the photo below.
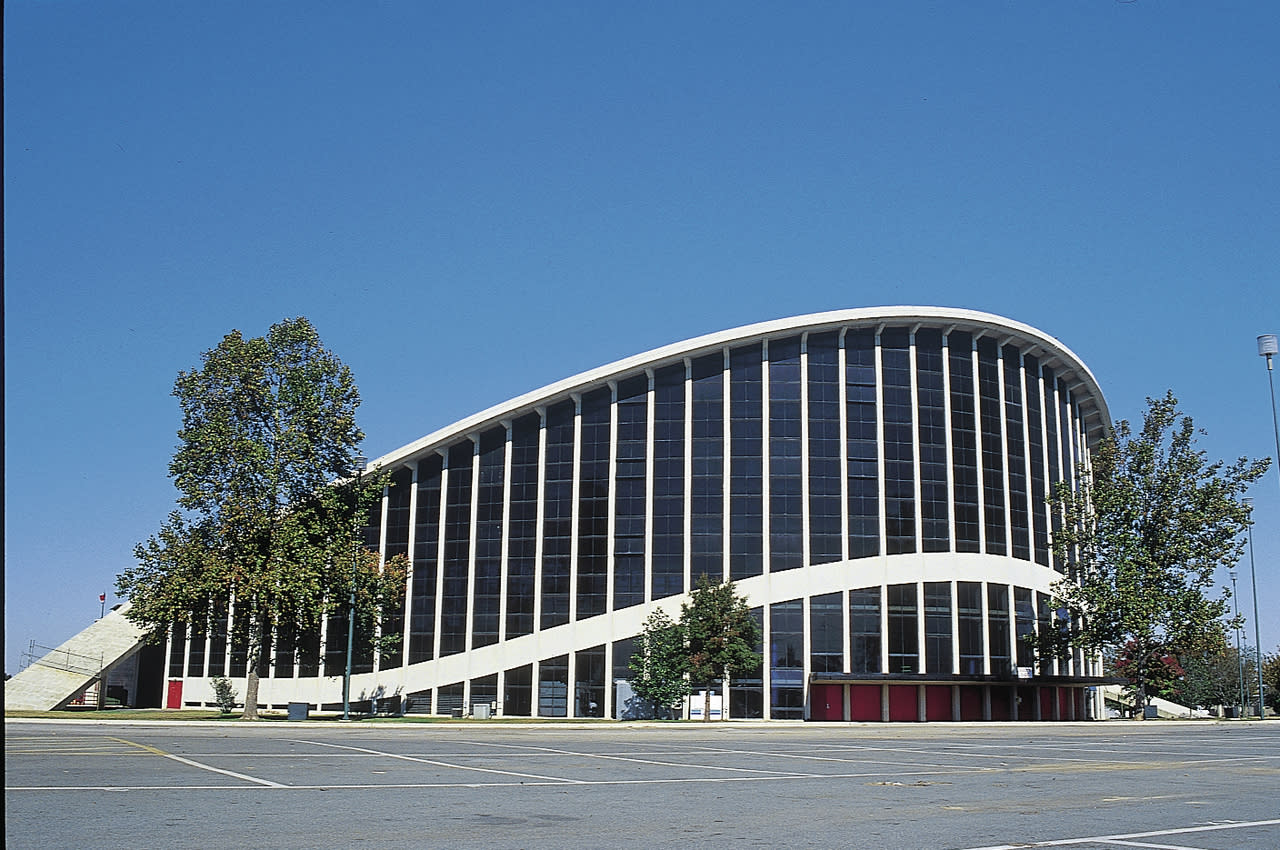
726, 377
955, 626
1004, 449
408, 573
504, 569
914, 408
382, 556
979, 442
574, 518
650, 445
471, 557
440, 538
610, 563
688, 474
766, 463
1029, 493
986, 628
880, 471
884, 625
806, 554
922, 660
766, 670
1045, 509
843, 390
952, 536
806, 650
539, 533
846, 665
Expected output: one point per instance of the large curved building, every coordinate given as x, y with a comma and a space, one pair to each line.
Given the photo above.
873, 480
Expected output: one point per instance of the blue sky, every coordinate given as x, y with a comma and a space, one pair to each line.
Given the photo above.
473, 200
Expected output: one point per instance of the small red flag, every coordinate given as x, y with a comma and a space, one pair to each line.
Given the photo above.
102, 597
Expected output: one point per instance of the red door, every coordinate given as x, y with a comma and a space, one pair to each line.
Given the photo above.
937, 702
174, 697
971, 702
826, 702
904, 704
864, 703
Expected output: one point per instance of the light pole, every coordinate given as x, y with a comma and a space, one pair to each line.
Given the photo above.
1257, 637
1239, 656
1267, 346
359, 462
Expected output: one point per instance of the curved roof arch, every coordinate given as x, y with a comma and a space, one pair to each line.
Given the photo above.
1051, 352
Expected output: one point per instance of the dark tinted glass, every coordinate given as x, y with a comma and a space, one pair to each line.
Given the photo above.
457, 549
1015, 420
522, 525
630, 477
826, 634
707, 498
786, 660
593, 505
426, 552
557, 514
861, 436
899, 451
937, 627
668, 481
931, 409
746, 466
864, 630
964, 441
786, 493
904, 637
487, 596
991, 424
825, 537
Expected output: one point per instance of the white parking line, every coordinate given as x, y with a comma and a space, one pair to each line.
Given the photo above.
607, 757
1128, 838
438, 763
202, 766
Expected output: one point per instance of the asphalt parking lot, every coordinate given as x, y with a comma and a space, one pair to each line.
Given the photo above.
305, 785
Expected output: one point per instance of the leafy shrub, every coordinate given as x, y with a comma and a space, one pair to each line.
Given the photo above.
223, 694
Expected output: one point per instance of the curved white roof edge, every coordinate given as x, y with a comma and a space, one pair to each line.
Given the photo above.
1093, 404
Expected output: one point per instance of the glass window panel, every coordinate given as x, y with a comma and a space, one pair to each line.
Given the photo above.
630, 492
746, 693
557, 514
553, 687
517, 692
932, 431
825, 545
707, 498
937, 627
992, 445
522, 525
1035, 449
426, 552
746, 443
826, 634
593, 505
487, 596
588, 688
1019, 516
457, 549
899, 449
786, 660
998, 626
668, 481
904, 637
786, 506
860, 435
969, 614
864, 629
964, 441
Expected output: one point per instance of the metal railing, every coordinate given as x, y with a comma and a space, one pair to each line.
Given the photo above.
61, 659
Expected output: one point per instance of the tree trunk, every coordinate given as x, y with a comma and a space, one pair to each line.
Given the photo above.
706, 707
252, 663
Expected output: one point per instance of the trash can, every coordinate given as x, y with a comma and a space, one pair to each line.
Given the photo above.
299, 710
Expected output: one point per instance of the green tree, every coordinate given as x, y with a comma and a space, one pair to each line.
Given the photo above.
1212, 678
1142, 537
720, 635
268, 424
1271, 679
659, 662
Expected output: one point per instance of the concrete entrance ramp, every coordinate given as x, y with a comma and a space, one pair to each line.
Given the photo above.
53, 680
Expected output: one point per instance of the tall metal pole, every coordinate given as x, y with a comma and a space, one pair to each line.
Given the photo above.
1257, 638
351, 602
1239, 656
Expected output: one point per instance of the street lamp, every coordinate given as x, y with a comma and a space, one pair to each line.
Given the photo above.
1257, 636
1267, 346
359, 461
1239, 657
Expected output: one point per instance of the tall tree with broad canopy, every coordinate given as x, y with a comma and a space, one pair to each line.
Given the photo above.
1142, 537
268, 425
659, 662
720, 635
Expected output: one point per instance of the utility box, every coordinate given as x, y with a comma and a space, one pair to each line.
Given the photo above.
480, 711
299, 711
